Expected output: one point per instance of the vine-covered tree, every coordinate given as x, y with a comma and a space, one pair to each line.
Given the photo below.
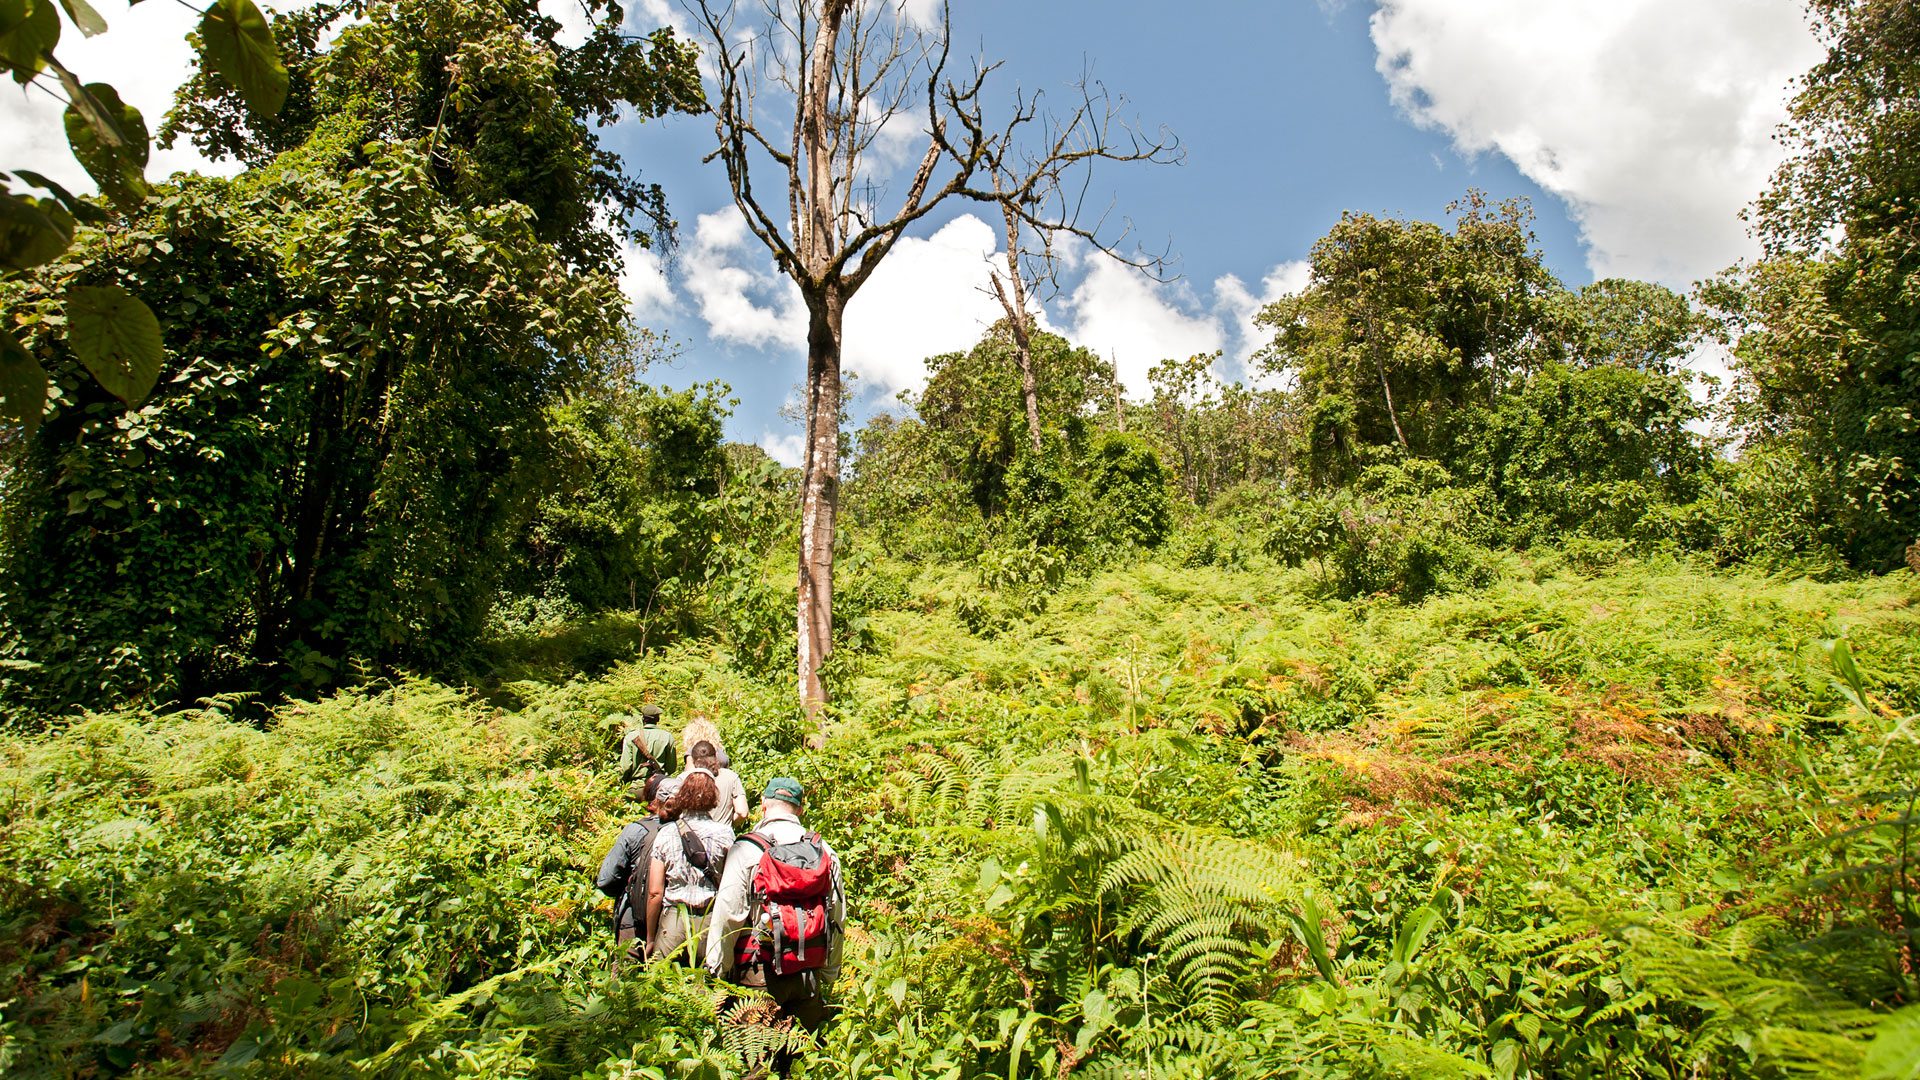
1404, 324
365, 333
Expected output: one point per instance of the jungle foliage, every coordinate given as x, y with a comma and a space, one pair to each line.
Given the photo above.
1611, 819
1472, 692
368, 330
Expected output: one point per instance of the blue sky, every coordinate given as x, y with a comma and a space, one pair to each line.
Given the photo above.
1638, 128
1635, 153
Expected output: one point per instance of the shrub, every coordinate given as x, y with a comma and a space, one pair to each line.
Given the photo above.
1127, 491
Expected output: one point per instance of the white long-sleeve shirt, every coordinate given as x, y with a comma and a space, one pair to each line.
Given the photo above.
728, 918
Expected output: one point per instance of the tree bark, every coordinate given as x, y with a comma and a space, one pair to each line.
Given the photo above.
1393, 414
819, 499
1013, 300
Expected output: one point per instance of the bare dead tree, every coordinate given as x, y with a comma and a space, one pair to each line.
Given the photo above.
833, 75
1042, 199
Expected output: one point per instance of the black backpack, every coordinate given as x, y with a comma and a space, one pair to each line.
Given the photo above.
637, 877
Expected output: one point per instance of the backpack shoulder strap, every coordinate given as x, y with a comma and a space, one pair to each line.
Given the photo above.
695, 849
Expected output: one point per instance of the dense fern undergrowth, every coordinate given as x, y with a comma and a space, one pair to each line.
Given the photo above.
1626, 820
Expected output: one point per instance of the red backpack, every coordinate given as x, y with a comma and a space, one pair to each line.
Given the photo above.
790, 928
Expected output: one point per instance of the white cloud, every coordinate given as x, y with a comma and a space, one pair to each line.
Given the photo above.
739, 295
1653, 120
1238, 305
575, 23
921, 13
144, 55
927, 298
1135, 322
643, 279
789, 450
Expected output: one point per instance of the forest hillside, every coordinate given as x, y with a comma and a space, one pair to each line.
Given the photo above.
1593, 818
1464, 683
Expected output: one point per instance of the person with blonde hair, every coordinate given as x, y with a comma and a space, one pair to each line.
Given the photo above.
699, 729
732, 809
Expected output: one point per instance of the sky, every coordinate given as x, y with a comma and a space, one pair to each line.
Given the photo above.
1638, 129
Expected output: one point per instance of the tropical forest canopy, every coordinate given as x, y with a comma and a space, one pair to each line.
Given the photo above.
1477, 691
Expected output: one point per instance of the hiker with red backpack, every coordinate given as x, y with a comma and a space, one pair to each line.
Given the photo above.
778, 917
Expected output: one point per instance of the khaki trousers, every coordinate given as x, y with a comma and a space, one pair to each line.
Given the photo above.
683, 935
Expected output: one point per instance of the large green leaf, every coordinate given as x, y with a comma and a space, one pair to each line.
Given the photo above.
237, 43
23, 384
117, 337
109, 139
81, 209
84, 17
32, 231
32, 29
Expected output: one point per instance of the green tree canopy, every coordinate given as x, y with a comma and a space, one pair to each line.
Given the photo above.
1404, 324
975, 415
1828, 326
365, 336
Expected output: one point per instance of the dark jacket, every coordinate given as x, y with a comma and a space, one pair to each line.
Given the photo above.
628, 856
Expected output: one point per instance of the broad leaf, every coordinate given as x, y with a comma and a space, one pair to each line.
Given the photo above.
117, 337
109, 139
23, 384
32, 231
237, 43
25, 43
81, 209
84, 17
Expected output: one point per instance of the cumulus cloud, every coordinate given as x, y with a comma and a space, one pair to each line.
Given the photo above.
575, 23
643, 279
928, 297
734, 286
1238, 305
1652, 120
789, 449
1136, 322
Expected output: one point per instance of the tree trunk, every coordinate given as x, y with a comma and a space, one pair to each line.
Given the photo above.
1023, 350
1013, 299
1393, 414
819, 499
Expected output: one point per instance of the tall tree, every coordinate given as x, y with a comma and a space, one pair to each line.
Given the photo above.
842, 72
1404, 324
1828, 324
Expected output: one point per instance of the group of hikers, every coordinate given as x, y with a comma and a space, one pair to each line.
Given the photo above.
764, 909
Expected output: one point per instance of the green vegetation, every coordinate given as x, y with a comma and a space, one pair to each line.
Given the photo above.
1459, 709
1614, 821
